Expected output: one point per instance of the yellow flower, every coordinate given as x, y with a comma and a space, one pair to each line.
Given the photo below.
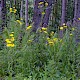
45, 32
29, 27
46, 4
15, 11
65, 26
40, 30
51, 43
10, 45
12, 32
43, 13
29, 41
11, 35
10, 10
78, 18
60, 40
48, 39
55, 39
71, 34
38, 6
44, 29
21, 18
61, 28
14, 7
52, 33
40, 3
73, 29
8, 41
12, 39
19, 22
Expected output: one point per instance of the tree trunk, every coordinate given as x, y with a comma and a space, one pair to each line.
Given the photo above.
2, 14
63, 16
75, 12
15, 3
26, 12
38, 21
37, 15
45, 20
76, 21
21, 11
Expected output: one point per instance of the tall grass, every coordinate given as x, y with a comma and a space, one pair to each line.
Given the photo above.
38, 56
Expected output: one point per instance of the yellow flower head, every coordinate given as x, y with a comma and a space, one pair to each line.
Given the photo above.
65, 26
73, 29
45, 32
46, 4
48, 39
61, 28
71, 34
11, 10
78, 18
12, 32
40, 3
11, 35
52, 33
19, 22
12, 39
21, 18
8, 41
29, 41
51, 43
10, 45
43, 13
44, 29
60, 40
15, 11
40, 30
29, 27
14, 7
55, 39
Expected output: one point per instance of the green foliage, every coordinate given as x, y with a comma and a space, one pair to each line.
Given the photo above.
33, 58
41, 55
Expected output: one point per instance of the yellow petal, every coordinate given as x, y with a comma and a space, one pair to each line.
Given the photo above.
11, 35
61, 28
40, 3
46, 4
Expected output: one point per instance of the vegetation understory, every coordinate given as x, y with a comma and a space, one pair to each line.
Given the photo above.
45, 48
40, 55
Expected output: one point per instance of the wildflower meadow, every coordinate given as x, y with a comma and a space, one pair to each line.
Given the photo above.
46, 53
